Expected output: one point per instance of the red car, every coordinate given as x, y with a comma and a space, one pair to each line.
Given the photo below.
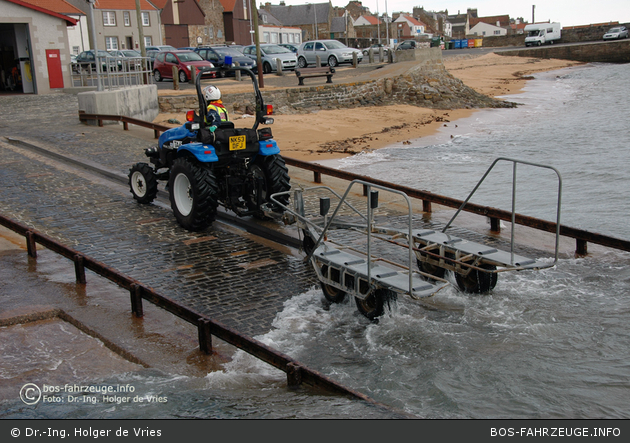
184, 60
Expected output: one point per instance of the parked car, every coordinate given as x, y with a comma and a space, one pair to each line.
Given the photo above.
184, 60
86, 60
616, 33
152, 51
376, 48
331, 53
290, 47
131, 60
269, 53
217, 54
407, 44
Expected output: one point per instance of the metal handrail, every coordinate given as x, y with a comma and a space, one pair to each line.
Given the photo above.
513, 218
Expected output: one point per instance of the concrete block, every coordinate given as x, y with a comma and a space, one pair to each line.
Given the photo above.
138, 102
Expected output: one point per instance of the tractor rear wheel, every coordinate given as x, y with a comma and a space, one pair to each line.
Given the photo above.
477, 282
373, 306
274, 174
193, 193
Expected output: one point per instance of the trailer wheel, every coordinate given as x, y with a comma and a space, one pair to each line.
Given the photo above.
143, 183
374, 304
193, 193
477, 282
307, 242
431, 269
332, 294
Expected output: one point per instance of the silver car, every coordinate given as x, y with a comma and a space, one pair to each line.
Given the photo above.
330, 52
616, 33
268, 55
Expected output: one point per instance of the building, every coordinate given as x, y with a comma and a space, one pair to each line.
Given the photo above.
34, 47
314, 19
237, 21
116, 23
408, 27
270, 30
487, 30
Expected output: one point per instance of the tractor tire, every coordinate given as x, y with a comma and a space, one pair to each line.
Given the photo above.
374, 305
275, 174
477, 282
143, 183
193, 194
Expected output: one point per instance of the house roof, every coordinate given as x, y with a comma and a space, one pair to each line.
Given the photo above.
504, 20
373, 20
266, 18
55, 8
338, 24
160, 4
228, 5
411, 20
123, 5
293, 15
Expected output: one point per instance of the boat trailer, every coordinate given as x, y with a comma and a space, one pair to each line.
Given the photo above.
374, 280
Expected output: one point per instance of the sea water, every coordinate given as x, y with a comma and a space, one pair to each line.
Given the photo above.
548, 344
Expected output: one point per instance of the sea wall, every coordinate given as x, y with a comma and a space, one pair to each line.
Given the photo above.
427, 83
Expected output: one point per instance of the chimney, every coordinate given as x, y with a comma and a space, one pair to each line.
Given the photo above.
282, 4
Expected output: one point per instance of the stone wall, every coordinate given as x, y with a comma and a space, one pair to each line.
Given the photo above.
602, 52
427, 84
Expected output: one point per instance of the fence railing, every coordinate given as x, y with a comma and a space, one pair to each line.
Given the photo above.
582, 237
297, 373
114, 73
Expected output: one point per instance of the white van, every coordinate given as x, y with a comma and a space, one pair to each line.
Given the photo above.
542, 33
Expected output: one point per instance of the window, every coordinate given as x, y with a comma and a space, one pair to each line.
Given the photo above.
109, 18
497, 32
274, 37
145, 19
285, 38
75, 50
111, 43
148, 41
266, 37
126, 18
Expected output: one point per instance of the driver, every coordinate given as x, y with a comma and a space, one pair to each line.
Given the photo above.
216, 110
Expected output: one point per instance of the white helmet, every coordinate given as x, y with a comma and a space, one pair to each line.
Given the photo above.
211, 93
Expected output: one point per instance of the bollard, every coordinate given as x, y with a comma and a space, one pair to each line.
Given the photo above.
237, 73
371, 55
31, 246
381, 54
279, 71
355, 60
175, 78
193, 74
318, 61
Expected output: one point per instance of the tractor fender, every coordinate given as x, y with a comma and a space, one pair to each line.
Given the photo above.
268, 147
203, 153
179, 133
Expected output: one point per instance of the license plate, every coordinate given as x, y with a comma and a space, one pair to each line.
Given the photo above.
237, 142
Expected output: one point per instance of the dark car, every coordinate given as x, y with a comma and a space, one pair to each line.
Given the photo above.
131, 60
269, 53
217, 55
407, 44
289, 46
86, 61
183, 60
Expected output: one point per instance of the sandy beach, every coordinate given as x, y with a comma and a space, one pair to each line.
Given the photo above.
331, 134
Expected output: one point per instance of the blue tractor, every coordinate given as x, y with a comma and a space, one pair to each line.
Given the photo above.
210, 164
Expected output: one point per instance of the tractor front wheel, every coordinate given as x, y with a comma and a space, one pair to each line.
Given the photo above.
143, 183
